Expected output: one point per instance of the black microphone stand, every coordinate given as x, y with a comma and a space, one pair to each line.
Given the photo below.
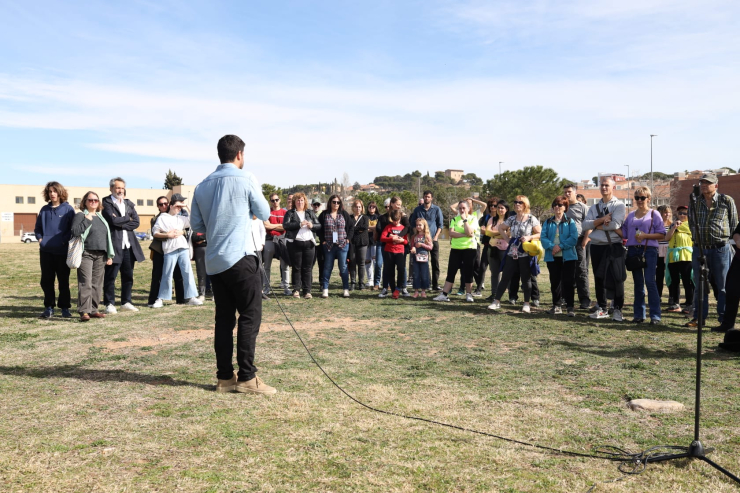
696, 450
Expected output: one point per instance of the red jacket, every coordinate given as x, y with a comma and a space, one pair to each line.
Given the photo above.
389, 246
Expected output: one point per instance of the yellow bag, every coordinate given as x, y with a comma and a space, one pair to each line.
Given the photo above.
534, 248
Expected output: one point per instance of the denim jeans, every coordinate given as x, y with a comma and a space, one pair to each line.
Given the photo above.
340, 254
181, 257
378, 273
645, 277
718, 261
421, 275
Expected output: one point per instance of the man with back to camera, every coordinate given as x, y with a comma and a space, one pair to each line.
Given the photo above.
717, 219
603, 219
577, 211
433, 215
123, 221
222, 208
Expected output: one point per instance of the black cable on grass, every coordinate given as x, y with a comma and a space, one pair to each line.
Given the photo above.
631, 463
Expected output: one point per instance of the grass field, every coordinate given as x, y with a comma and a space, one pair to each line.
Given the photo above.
128, 403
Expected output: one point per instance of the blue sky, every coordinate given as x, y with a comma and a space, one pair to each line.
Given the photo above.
89, 90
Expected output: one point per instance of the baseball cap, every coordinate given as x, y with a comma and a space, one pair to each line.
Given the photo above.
710, 177
176, 197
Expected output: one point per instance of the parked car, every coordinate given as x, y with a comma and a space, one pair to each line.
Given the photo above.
28, 238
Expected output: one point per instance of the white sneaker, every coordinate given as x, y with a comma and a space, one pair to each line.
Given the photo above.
324, 293
129, 307
496, 305
526, 309
469, 298
442, 297
202, 298
383, 293
405, 292
617, 315
158, 304
111, 309
346, 293
600, 313
194, 302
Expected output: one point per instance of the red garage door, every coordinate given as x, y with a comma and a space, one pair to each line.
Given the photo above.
23, 223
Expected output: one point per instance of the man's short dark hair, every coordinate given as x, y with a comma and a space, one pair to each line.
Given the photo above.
570, 185
427, 192
395, 215
228, 147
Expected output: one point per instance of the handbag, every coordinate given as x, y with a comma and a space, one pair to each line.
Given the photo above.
422, 256
74, 252
501, 244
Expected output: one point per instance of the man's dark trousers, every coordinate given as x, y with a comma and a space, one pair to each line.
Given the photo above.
127, 279
55, 267
435, 264
237, 289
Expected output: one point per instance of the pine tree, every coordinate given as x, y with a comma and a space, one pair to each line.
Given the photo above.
171, 180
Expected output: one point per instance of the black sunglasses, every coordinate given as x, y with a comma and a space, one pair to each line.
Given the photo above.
274, 200
162, 204
518, 202
335, 202
683, 213
558, 205
640, 198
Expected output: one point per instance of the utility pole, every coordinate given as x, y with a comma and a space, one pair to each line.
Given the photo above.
652, 185
499, 166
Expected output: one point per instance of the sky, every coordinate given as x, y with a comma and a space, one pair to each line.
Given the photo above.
316, 89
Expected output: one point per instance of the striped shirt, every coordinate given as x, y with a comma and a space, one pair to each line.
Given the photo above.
717, 222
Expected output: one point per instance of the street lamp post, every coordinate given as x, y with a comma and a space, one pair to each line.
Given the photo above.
652, 185
499, 166
629, 186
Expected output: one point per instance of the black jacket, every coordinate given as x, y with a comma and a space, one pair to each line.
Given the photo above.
349, 225
360, 238
120, 226
292, 223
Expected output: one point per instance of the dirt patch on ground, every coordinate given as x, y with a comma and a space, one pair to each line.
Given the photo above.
169, 336
316, 328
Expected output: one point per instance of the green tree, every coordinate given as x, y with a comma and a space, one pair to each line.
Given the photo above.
357, 186
268, 190
541, 185
171, 180
472, 179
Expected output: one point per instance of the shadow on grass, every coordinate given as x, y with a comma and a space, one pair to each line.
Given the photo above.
640, 351
92, 375
25, 312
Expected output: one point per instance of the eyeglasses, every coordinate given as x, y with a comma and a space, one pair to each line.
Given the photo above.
640, 198
316, 205
94, 201
559, 205
518, 202
162, 204
274, 200
335, 202
683, 213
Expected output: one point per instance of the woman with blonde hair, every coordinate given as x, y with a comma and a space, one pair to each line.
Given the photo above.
300, 223
643, 228
517, 230
90, 226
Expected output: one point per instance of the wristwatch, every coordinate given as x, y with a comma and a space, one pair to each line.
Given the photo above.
465, 220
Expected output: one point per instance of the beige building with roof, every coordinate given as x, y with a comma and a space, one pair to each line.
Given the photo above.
20, 204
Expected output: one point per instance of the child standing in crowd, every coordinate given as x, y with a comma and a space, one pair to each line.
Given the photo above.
420, 248
394, 246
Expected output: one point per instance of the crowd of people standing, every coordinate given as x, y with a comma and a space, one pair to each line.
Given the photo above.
392, 251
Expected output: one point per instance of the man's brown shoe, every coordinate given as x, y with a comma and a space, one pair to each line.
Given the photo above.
84, 317
97, 315
255, 386
226, 385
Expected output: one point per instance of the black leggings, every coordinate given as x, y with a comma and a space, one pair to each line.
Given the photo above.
519, 266
396, 261
464, 260
681, 272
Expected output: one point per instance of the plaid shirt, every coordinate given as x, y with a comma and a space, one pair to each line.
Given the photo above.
716, 223
332, 225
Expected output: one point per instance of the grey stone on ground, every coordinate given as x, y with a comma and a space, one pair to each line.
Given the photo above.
653, 405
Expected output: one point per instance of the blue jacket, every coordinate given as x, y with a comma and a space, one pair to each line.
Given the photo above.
568, 238
222, 208
54, 228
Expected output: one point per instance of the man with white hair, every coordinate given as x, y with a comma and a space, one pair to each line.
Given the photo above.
122, 221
